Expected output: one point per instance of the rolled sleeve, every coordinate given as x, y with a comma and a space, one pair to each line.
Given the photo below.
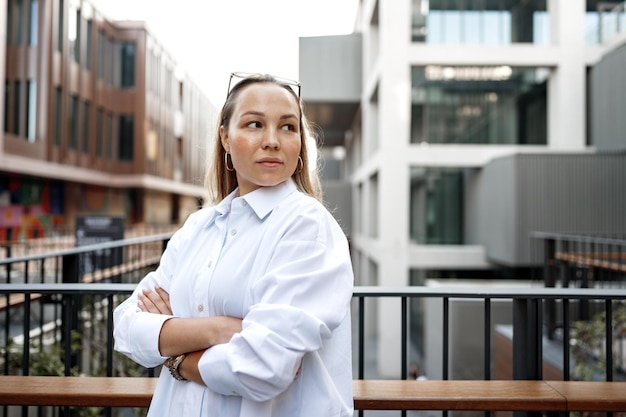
261, 362
137, 333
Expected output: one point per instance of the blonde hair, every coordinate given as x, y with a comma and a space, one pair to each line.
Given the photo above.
220, 181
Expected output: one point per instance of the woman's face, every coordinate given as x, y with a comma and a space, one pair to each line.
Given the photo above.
263, 136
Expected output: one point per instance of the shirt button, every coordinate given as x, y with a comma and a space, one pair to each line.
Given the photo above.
210, 263
244, 203
233, 232
200, 307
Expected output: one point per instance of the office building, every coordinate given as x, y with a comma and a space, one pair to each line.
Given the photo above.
463, 127
97, 119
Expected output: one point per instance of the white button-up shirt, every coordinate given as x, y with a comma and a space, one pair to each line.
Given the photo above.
277, 259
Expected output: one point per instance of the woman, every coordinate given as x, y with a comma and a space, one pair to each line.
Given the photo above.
250, 305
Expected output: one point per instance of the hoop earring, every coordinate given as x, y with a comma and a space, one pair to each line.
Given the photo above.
230, 169
300, 165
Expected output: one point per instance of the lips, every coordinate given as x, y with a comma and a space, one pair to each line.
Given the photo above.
270, 162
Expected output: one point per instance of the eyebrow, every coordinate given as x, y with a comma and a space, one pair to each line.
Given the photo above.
261, 114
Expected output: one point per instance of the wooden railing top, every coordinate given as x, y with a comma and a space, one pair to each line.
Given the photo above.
494, 395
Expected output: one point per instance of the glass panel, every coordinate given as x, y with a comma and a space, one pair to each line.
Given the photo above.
88, 44
127, 61
436, 207
19, 18
604, 21
99, 133
85, 135
108, 128
479, 105
34, 22
126, 138
60, 14
74, 33
73, 122
7, 100
57, 116
16, 107
31, 107
485, 22
101, 51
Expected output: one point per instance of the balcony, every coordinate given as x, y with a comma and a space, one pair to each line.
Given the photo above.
57, 320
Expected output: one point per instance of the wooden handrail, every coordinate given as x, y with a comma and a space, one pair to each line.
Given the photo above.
481, 395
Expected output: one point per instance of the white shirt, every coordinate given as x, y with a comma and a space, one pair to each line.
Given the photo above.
278, 259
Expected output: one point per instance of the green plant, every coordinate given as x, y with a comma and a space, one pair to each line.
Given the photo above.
588, 342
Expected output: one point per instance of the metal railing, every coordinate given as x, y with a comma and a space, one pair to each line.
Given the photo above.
62, 326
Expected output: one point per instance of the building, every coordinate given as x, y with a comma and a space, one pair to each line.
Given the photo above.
97, 119
466, 127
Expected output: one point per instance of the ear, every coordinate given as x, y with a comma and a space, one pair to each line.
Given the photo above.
224, 139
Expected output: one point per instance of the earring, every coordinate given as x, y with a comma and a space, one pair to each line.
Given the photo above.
232, 167
300, 165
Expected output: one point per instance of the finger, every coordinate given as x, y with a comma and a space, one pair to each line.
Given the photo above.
154, 303
165, 297
147, 303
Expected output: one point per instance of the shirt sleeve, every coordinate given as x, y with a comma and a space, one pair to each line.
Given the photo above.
303, 296
136, 333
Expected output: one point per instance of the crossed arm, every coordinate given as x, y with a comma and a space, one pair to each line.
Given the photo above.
192, 336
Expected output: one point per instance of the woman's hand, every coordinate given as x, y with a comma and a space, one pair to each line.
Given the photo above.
157, 301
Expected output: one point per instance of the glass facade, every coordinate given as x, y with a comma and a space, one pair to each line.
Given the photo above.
482, 22
479, 105
436, 206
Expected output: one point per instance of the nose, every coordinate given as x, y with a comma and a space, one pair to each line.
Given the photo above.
270, 139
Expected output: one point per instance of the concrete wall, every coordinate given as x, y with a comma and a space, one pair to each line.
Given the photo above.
562, 193
330, 68
608, 101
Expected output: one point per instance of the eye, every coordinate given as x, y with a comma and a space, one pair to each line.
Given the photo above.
254, 125
289, 127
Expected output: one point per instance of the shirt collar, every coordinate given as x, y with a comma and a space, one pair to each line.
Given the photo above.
262, 200
265, 199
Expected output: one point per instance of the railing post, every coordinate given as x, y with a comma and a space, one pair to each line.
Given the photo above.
549, 279
71, 309
526, 339
527, 343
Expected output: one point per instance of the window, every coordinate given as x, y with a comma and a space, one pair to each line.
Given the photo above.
34, 22
74, 33
73, 122
31, 108
126, 137
436, 206
88, 40
604, 21
110, 60
101, 54
479, 105
7, 93
108, 130
58, 106
18, 17
480, 22
85, 135
100, 134
127, 61
16, 107
60, 38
